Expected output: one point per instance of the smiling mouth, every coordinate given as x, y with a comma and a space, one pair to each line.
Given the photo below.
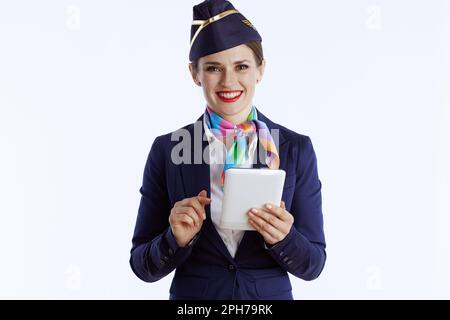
229, 96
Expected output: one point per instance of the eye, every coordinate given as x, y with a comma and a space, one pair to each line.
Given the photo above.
242, 67
212, 69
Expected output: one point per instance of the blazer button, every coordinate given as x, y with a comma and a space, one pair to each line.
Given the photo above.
231, 267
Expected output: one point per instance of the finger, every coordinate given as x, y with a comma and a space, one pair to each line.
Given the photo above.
203, 197
181, 217
267, 236
197, 205
191, 213
270, 218
184, 211
281, 213
267, 227
283, 205
274, 220
204, 200
187, 219
276, 210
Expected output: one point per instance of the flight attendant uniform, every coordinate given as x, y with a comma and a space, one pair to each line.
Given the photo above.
221, 263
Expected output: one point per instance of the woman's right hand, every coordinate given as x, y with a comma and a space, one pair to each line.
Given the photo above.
186, 217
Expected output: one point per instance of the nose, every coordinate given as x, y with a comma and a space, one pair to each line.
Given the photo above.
229, 79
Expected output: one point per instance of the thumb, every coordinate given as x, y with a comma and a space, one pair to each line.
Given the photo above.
202, 193
283, 205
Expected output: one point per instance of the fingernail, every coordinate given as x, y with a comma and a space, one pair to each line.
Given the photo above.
254, 210
251, 214
268, 206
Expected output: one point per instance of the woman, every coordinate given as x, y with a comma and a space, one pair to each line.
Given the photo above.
177, 225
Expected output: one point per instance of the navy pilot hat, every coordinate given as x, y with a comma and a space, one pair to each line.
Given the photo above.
218, 26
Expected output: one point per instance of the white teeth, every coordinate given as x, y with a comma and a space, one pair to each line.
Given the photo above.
229, 95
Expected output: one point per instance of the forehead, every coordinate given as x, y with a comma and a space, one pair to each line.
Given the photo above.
231, 55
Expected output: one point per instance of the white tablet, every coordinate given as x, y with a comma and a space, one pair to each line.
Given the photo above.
248, 188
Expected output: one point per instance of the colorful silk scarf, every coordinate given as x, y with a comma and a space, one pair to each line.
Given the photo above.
239, 134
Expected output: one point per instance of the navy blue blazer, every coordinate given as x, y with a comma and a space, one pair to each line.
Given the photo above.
205, 268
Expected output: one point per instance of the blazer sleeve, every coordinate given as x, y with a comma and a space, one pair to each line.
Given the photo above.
302, 251
154, 252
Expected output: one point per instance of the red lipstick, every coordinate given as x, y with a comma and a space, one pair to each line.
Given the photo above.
227, 99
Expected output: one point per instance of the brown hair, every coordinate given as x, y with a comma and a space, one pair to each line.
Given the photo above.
254, 45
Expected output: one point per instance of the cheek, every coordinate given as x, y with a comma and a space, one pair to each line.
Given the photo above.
209, 84
249, 85
249, 81
209, 89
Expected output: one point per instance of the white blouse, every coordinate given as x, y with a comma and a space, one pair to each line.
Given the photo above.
217, 157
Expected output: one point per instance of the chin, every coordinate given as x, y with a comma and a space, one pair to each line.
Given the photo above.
236, 107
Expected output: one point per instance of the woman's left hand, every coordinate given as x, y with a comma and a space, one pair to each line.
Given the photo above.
272, 222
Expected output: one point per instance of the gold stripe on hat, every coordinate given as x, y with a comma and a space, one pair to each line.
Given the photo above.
204, 23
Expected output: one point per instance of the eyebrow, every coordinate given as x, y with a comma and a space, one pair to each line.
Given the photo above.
218, 63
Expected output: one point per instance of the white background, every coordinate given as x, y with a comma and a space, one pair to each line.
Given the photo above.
85, 87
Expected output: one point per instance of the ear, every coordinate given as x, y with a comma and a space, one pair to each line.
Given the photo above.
194, 75
261, 69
